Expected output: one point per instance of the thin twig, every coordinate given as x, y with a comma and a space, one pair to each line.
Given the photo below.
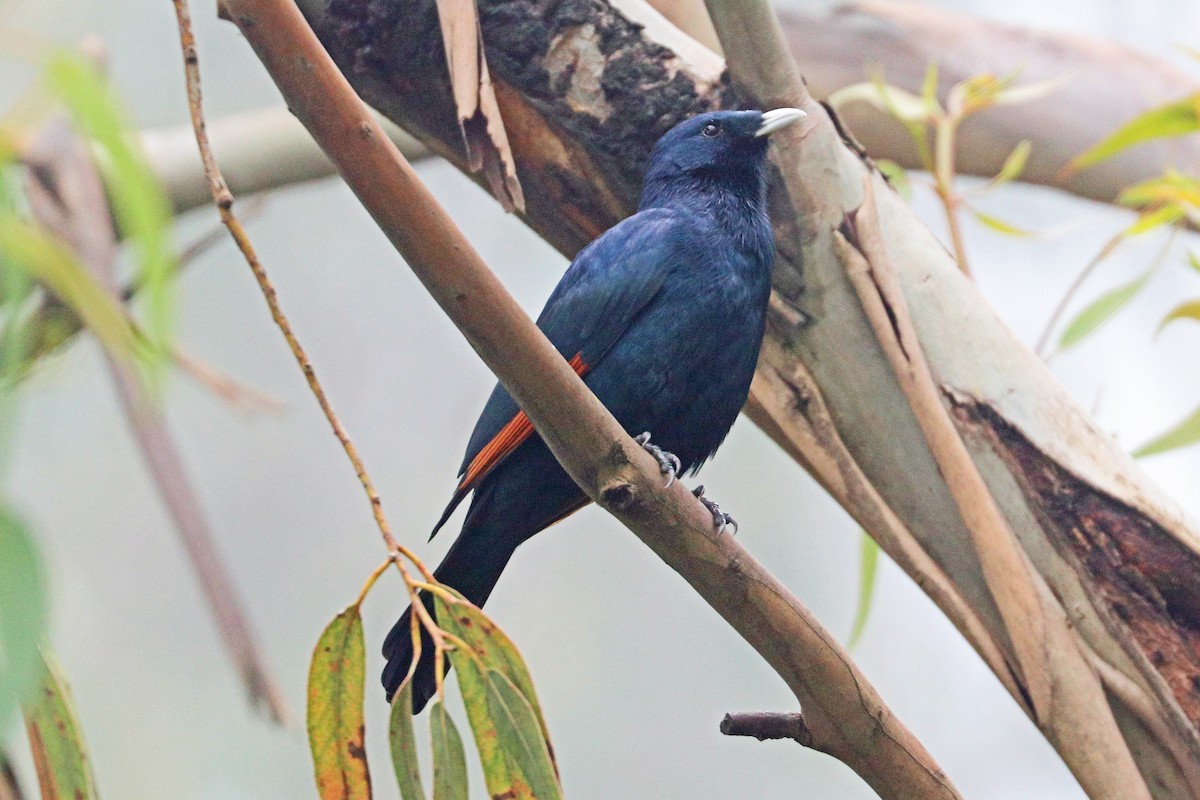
223, 199
1105, 251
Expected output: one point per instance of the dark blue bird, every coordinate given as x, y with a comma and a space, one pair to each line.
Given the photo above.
663, 316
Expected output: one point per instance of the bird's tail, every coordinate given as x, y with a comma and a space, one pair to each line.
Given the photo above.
472, 567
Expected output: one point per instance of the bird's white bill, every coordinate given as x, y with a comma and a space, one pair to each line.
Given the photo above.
778, 118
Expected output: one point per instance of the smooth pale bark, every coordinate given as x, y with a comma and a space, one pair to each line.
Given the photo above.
584, 94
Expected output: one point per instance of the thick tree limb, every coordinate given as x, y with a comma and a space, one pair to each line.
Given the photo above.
846, 716
586, 92
259, 150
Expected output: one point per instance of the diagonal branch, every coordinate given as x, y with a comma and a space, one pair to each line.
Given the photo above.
66, 195
846, 716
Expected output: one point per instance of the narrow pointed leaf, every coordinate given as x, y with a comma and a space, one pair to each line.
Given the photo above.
1173, 119
521, 736
1189, 309
493, 647
929, 89
139, 202
22, 614
1185, 432
1014, 165
449, 760
999, 225
404, 745
56, 740
1101, 310
1193, 260
900, 104
867, 564
30, 249
1155, 218
335, 710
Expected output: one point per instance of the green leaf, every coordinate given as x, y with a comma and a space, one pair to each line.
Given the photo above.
56, 739
999, 225
1189, 309
897, 177
23, 614
1173, 119
1170, 188
490, 650
900, 104
1014, 165
929, 88
521, 736
1156, 218
42, 257
404, 745
493, 647
1185, 432
140, 205
867, 563
335, 710
1101, 310
1193, 260
449, 760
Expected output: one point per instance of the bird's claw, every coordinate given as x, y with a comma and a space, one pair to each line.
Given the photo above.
721, 520
668, 463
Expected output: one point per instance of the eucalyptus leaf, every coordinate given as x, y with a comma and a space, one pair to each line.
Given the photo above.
868, 561
449, 760
56, 739
1174, 119
404, 745
1101, 310
336, 736
23, 614
1183, 433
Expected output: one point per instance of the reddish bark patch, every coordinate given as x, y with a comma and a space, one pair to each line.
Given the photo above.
1146, 577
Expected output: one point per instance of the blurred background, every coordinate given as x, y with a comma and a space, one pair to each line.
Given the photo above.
633, 669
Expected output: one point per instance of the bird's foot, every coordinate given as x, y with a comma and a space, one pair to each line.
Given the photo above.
721, 520
668, 463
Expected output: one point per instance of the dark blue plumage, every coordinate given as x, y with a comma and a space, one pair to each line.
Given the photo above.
663, 315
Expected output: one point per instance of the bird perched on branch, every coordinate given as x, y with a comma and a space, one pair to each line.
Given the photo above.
663, 317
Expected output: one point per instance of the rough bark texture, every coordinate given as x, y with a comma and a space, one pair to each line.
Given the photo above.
585, 92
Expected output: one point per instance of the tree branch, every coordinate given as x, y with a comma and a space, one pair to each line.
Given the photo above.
846, 716
763, 725
1113, 550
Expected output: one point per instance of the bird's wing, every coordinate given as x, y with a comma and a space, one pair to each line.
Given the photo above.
607, 286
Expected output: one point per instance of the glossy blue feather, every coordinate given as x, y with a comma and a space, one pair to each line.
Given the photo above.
667, 309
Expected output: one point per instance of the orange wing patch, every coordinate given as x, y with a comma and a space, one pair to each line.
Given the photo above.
507, 440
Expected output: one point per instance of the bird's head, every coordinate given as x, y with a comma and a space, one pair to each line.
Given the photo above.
720, 147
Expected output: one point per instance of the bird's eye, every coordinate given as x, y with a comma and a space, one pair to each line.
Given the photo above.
711, 129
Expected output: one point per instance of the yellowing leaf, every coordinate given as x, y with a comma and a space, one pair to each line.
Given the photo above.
1173, 119
56, 740
521, 736
1185, 432
335, 710
929, 88
1014, 165
1193, 260
1155, 218
868, 562
43, 258
140, 205
22, 614
999, 225
1101, 310
1189, 309
449, 760
404, 745
1171, 187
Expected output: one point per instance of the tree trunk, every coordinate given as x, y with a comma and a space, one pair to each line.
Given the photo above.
584, 93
